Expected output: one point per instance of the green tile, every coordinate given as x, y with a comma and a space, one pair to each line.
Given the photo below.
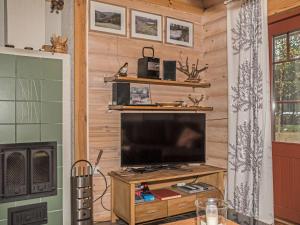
52, 69
59, 177
51, 112
7, 88
54, 202
28, 112
3, 222
7, 65
29, 67
3, 209
28, 202
28, 90
59, 155
52, 132
7, 112
55, 218
51, 90
28, 133
7, 134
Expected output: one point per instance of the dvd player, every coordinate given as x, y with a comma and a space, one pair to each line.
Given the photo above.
195, 188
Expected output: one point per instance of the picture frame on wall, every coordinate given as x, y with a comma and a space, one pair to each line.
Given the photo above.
179, 32
108, 18
146, 25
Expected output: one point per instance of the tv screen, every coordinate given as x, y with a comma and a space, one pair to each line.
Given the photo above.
162, 138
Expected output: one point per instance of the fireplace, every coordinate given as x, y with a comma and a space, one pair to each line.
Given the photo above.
27, 171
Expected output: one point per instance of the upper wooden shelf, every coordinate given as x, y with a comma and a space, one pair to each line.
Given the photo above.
158, 108
157, 82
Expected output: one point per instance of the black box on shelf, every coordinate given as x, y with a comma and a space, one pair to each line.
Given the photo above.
169, 70
121, 94
148, 67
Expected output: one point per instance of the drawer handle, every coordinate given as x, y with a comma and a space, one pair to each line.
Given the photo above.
182, 205
152, 211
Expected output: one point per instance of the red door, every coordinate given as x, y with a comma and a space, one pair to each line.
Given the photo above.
284, 40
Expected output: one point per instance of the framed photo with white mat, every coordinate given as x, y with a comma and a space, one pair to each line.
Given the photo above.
108, 18
146, 25
179, 32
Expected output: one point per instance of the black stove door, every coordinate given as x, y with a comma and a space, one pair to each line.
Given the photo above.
15, 173
43, 170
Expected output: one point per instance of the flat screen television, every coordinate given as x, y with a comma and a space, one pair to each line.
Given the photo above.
162, 138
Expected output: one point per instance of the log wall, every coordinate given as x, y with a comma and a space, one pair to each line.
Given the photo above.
106, 53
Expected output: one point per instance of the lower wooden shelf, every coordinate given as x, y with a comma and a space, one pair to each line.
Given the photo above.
158, 108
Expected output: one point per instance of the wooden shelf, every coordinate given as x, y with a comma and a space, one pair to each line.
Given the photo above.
157, 82
158, 108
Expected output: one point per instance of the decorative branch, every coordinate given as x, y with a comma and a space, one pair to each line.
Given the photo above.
196, 100
194, 74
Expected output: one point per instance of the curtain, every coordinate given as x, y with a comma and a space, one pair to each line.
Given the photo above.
250, 184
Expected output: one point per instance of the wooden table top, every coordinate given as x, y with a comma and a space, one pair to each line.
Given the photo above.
129, 177
192, 221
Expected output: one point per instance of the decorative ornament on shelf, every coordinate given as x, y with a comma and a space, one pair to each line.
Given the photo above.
57, 5
59, 45
122, 71
196, 100
194, 74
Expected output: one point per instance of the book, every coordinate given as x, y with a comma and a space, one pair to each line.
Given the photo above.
148, 197
165, 194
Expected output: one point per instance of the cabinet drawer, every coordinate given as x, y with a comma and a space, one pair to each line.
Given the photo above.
181, 205
209, 194
150, 211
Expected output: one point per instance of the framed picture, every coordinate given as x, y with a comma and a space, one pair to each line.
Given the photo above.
107, 18
146, 25
179, 32
140, 94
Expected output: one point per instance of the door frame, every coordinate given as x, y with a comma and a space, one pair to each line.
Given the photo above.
282, 23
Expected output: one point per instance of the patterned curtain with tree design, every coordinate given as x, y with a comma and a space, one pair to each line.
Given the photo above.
250, 184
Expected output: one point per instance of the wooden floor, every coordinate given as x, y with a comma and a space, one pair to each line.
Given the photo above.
123, 223
162, 221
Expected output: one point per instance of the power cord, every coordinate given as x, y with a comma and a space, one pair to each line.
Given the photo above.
104, 192
105, 181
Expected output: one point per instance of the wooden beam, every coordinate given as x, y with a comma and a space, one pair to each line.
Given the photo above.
211, 3
80, 75
188, 6
277, 17
278, 6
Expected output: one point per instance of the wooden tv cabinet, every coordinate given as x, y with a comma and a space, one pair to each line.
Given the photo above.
123, 192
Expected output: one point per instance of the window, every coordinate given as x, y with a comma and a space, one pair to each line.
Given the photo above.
286, 87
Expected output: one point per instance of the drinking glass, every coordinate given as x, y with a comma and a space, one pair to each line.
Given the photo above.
211, 212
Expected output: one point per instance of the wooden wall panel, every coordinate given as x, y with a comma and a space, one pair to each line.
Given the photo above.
106, 53
278, 6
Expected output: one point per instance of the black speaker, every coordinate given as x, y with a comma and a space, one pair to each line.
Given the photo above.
121, 94
169, 70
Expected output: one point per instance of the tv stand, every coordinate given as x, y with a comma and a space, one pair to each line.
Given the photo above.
123, 185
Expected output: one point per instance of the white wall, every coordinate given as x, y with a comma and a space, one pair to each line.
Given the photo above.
53, 22
2, 27
30, 23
